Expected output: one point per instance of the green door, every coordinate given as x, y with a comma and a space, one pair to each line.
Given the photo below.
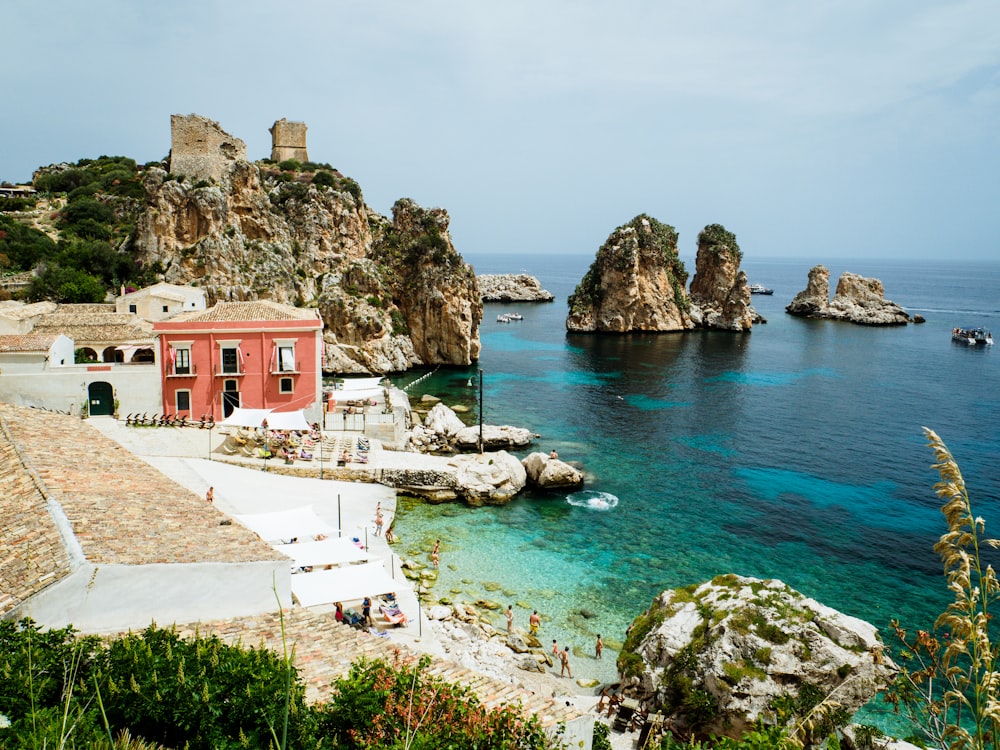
102, 399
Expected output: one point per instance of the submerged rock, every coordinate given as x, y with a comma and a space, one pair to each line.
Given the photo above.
715, 657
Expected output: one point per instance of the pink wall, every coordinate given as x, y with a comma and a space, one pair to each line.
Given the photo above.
258, 387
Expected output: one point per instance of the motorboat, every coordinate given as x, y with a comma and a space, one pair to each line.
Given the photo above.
760, 289
509, 317
977, 336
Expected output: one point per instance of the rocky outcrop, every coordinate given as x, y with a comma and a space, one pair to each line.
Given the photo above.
489, 478
636, 283
547, 473
812, 301
857, 300
442, 431
511, 287
720, 292
495, 437
393, 294
717, 656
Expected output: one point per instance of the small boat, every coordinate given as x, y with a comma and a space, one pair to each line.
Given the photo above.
515, 316
977, 336
760, 289
503, 318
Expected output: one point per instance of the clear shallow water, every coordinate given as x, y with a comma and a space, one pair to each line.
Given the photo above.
793, 452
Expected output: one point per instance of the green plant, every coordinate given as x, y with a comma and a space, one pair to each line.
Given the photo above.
949, 686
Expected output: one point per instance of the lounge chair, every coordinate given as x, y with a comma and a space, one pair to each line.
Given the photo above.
393, 615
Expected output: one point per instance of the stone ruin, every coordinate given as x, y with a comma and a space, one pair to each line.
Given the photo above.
288, 141
202, 150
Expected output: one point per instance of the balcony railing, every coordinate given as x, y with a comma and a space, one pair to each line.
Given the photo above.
190, 371
222, 372
286, 370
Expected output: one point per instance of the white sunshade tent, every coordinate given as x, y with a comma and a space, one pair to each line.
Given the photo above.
326, 552
287, 420
287, 524
246, 418
360, 384
344, 584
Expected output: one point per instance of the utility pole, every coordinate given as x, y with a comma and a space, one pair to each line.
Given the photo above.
480, 412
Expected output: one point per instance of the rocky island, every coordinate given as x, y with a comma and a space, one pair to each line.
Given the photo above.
512, 287
637, 283
857, 300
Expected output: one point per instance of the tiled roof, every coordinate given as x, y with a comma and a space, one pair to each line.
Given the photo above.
86, 308
121, 509
32, 555
97, 327
28, 342
258, 310
325, 650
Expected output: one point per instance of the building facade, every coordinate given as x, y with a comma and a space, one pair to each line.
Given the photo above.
257, 355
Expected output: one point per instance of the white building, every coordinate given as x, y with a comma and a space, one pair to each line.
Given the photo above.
161, 301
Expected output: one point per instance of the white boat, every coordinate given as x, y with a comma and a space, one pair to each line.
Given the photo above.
977, 336
760, 289
515, 316
509, 317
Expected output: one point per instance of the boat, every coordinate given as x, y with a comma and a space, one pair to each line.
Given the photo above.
515, 316
976, 336
509, 317
502, 318
760, 289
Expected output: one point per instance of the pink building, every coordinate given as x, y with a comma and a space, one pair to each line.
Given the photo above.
257, 355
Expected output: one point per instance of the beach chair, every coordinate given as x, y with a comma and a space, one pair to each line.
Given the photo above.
393, 615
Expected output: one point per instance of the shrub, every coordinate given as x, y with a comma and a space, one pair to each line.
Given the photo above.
24, 246
324, 178
290, 165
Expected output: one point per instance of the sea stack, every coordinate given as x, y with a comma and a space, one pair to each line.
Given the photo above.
720, 292
636, 283
857, 300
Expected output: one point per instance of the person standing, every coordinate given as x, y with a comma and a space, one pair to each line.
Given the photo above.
510, 618
555, 648
598, 647
435, 553
379, 521
366, 611
534, 622
210, 495
564, 659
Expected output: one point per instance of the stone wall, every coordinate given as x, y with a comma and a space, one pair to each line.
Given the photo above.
288, 140
202, 150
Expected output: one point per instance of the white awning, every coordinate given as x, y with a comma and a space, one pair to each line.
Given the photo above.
363, 394
344, 584
358, 384
287, 420
326, 552
301, 523
246, 418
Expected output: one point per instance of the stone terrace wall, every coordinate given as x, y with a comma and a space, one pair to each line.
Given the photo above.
288, 140
202, 150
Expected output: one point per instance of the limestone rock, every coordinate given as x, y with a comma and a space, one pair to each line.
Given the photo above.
812, 301
862, 300
393, 293
517, 644
746, 642
636, 283
550, 473
511, 287
443, 420
494, 437
857, 300
489, 478
719, 289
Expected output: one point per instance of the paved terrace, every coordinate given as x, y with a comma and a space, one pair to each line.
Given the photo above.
121, 509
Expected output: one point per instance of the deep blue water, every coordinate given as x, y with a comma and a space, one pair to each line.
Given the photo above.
792, 452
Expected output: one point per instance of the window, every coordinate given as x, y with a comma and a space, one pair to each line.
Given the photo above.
182, 361
286, 385
166, 309
131, 308
231, 359
182, 399
286, 358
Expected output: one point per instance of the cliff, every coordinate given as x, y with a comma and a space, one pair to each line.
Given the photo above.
512, 287
720, 292
636, 283
393, 293
857, 300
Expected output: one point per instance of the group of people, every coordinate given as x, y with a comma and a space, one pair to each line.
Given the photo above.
534, 623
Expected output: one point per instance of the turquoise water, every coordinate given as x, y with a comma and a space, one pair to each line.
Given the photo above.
793, 452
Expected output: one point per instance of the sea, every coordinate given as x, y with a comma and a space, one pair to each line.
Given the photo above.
793, 452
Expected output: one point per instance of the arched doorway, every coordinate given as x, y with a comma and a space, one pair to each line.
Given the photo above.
102, 399
230, 397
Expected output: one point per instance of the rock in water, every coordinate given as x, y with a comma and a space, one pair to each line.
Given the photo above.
857, 300
715, 657
549, 473
512, 287
719, 289
636, 283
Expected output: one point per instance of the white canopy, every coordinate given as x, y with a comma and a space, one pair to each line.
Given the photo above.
342, 397
326, 552
342, 584
246, 418
287, 420
359, 384
287, 524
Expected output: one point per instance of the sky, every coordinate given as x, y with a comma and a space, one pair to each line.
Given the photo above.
819, 129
